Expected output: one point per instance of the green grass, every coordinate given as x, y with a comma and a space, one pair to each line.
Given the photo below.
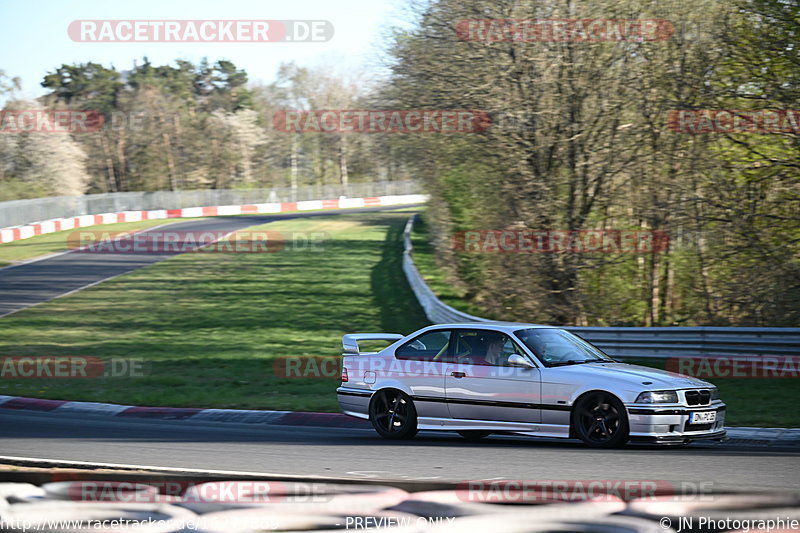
210, 326
751, 402
17, 251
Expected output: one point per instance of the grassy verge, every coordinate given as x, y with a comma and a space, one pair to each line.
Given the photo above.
751, 402
211, 326
17, 251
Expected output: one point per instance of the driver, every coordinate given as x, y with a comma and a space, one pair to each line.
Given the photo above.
537, 345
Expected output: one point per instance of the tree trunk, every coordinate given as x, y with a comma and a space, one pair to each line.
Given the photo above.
293, 163
173, 178
343, 179
111, 184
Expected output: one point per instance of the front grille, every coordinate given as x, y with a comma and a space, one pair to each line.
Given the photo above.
698, 397
697, 427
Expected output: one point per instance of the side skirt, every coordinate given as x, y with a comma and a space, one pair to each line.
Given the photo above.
536, 430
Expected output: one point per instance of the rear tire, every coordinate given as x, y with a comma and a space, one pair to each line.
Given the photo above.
393, 415
599, 419
474, 435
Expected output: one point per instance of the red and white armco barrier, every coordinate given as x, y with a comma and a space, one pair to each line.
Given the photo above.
61, 224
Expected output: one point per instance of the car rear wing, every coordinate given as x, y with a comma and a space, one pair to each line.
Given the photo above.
350, 342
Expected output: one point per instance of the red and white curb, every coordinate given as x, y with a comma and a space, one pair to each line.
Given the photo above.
747, 436
62, 224
241, 416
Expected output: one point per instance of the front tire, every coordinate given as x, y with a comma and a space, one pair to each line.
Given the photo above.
600, 420
393, 415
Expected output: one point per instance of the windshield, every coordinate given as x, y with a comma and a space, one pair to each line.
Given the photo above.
555, 347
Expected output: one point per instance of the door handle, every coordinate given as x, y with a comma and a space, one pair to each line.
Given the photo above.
457, 374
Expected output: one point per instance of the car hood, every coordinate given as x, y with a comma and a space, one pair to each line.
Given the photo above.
637, 375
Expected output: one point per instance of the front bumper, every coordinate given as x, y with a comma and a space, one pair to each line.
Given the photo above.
670, 423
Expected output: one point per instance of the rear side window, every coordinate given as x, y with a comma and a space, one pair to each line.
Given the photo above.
427, 347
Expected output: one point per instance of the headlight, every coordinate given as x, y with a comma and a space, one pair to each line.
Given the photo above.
714, 394
659, 396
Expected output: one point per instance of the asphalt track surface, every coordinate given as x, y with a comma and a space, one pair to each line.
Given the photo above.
361, 454
28, 284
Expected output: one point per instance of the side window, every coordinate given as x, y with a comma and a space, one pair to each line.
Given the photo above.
431, 346
481, 347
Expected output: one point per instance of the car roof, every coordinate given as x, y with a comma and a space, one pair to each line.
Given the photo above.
495, 325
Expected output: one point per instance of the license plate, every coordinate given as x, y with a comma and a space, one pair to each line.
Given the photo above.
702, 418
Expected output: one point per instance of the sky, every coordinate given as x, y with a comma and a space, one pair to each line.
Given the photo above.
34, 39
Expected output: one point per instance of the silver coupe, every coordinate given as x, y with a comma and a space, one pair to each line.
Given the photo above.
501, 377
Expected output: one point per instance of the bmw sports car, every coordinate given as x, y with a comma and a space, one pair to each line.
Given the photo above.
500, 377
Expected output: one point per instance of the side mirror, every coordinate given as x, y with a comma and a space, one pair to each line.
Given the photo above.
517, 360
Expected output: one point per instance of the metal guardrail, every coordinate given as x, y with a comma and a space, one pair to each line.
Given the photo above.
693, 341
20, 212
656, 342
437, 311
